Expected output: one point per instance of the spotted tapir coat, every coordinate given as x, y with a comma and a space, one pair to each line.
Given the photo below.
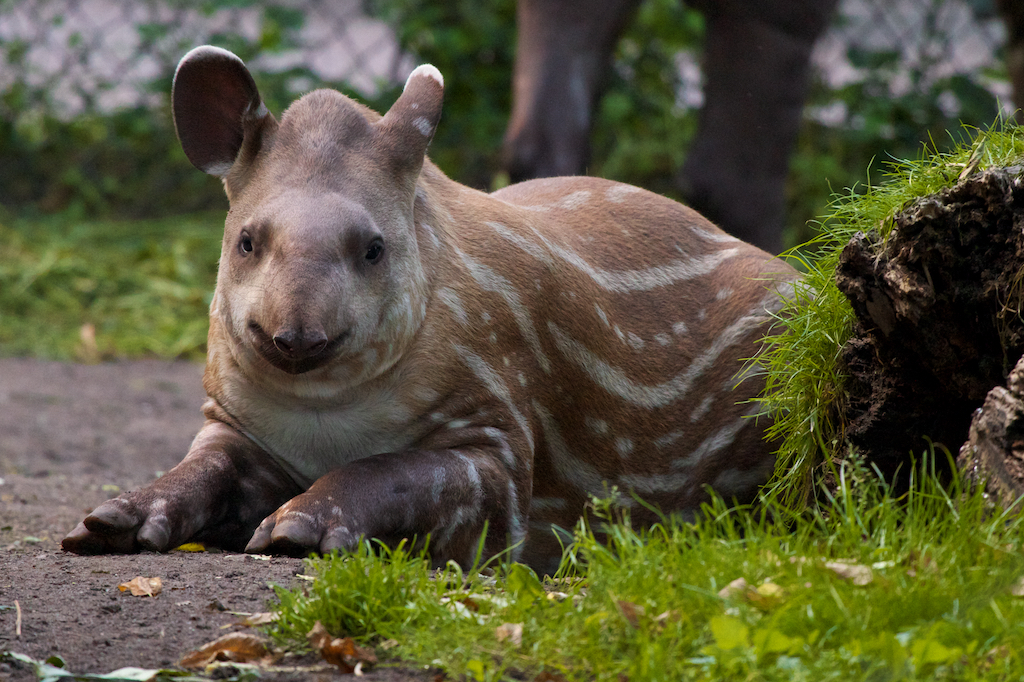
393, 354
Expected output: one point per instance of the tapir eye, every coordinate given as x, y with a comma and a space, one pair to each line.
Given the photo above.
245, 244
375, 251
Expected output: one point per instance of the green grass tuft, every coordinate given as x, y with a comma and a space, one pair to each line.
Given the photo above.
143, 286
804, 381
919, 587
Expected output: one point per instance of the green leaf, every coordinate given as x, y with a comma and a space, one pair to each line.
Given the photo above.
729, 632
476, 669
522, 582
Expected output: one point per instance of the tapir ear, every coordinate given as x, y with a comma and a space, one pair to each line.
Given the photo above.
409, 125
215, 102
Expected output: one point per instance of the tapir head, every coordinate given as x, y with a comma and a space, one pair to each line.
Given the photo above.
320, 266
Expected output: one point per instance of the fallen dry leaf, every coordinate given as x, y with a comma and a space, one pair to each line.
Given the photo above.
340, 651
858, 574
630, 611
667, 617
234, 647
254, 619
513, 632
737, 587
143, 587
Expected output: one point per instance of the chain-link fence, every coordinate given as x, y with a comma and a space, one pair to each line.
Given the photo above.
99, 55
916, 44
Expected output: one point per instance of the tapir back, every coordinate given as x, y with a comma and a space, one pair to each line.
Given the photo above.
612, 325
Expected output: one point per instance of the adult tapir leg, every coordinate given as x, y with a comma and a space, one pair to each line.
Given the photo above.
218, 494
756, 74
1013, 14
563, 50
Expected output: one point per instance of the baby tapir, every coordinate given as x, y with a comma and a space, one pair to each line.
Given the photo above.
395, 355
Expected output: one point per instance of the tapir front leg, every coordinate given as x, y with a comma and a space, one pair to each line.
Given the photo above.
447, 495
217, 494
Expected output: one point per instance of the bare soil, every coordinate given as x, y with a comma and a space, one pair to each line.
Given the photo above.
72, 436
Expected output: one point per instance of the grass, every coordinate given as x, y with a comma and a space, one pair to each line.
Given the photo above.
921, 587
92, 290
805, 384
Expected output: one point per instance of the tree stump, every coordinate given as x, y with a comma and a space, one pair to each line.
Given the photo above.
938, 317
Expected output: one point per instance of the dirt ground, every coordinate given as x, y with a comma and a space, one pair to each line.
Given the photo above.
72, 436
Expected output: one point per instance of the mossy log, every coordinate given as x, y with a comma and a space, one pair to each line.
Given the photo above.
938, 308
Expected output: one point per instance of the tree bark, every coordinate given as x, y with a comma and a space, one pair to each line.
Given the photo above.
994, 453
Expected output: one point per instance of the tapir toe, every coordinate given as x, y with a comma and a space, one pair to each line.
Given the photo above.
82, 540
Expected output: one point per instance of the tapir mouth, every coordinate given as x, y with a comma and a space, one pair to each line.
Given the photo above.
269, 351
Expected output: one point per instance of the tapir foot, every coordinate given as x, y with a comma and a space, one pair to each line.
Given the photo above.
119, 526
302, 525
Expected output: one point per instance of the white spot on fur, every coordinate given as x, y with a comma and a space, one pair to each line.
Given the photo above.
423, 125
601, 314
723, 294
663, 339
493, 338
598, 427
667, 439
679, 328
624, 446
711, 234
485, 316
635, 341
458, 423
573, 201
618, 193
522, 380
505, 361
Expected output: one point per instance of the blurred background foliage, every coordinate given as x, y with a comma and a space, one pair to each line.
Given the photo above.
91, 164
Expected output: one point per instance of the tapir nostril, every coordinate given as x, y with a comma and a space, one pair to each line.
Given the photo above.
318, 346
284, 345
297, 345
